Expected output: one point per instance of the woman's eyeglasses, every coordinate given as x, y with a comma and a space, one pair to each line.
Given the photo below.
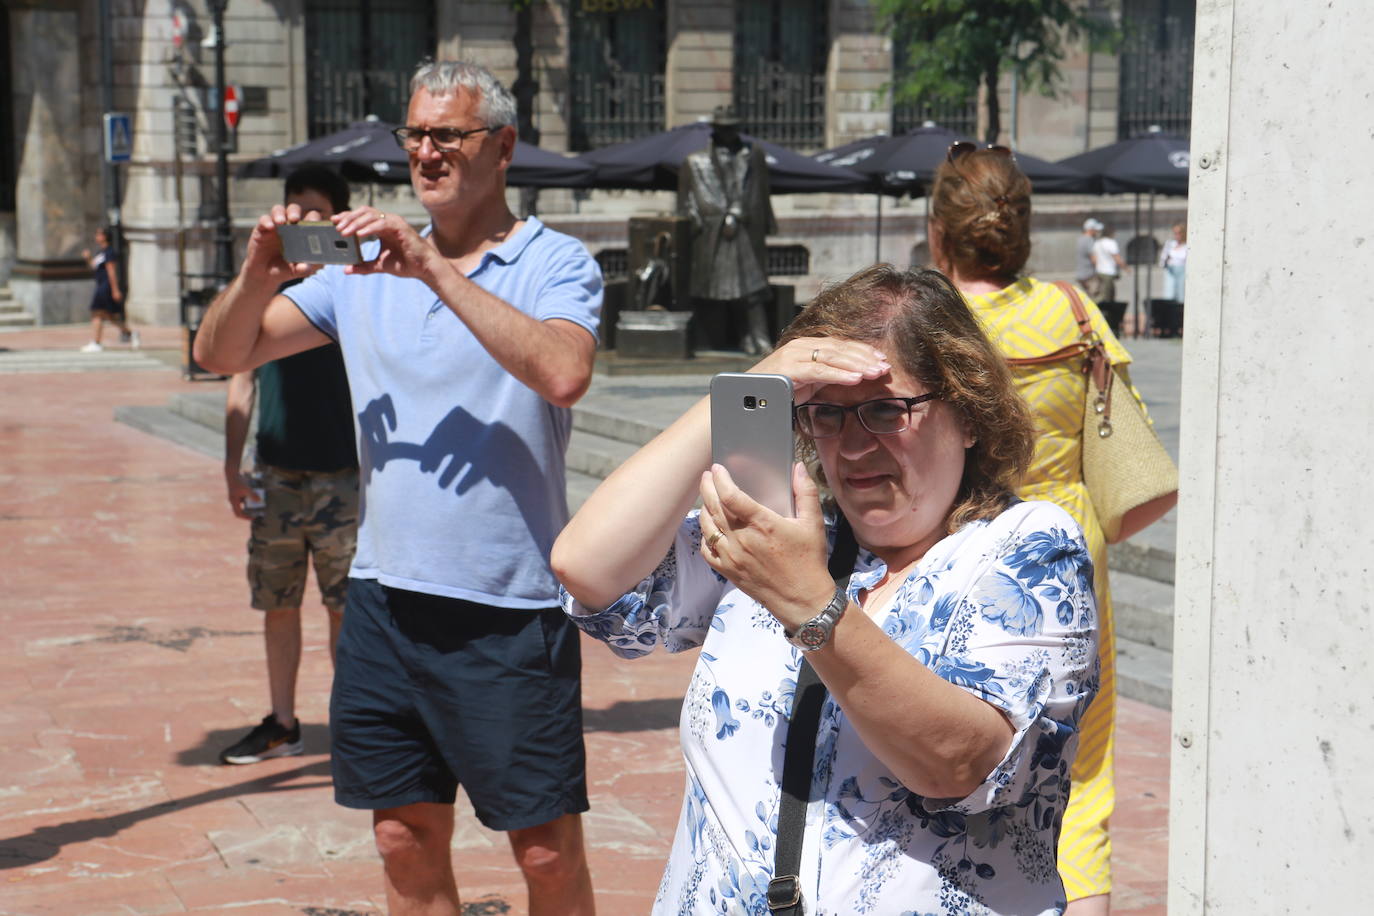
880, 416
444, 139
961, 148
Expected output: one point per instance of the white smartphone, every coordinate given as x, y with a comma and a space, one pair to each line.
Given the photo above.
751, 435
317, 243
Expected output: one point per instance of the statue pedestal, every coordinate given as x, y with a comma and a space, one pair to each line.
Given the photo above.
653, 335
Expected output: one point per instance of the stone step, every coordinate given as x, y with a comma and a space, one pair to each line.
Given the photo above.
595, 455
602, 418
1144, 609
580, 486
73, 360
203, 407
1140, 557
16, 319
166, 424
1144, 673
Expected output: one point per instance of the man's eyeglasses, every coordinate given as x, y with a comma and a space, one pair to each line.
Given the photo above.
444, 139
880, 416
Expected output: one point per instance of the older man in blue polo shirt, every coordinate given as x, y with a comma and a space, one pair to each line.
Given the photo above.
465, 345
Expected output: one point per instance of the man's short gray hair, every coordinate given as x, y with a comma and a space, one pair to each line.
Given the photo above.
443, 77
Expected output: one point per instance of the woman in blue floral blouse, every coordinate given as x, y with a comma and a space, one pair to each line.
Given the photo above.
963, 656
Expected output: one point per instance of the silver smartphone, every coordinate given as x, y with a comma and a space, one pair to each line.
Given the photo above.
317, 243
751, 435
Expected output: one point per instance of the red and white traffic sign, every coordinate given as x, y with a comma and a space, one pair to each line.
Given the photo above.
231, 106
178, 28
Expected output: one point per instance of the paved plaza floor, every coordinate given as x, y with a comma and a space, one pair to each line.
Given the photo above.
132, 659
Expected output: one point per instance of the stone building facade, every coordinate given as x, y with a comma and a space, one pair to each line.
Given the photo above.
811, 74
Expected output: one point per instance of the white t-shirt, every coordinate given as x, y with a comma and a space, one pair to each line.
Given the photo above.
1175, 254
1105, 252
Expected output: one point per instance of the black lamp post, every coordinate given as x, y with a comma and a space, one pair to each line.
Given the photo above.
224, 229
111, 184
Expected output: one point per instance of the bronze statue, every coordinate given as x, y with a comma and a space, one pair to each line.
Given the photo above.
723, 191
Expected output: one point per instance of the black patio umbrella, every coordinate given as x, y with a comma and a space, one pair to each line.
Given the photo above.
909, 160
1155, 162
651, 164
365, 151
906, 164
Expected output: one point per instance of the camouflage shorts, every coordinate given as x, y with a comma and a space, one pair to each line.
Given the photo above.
307, 513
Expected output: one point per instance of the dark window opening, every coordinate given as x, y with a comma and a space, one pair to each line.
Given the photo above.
788, 261
1156, 66
614, 263
615, 71
360, 55
780, 61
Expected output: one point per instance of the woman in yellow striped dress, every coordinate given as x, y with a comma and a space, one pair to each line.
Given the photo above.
980, 237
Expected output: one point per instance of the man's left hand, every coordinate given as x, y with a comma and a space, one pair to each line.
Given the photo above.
404, 252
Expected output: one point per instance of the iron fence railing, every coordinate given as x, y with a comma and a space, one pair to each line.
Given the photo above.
614, 108
788, 261
360, 55
781, 106
1156, 67
960, 117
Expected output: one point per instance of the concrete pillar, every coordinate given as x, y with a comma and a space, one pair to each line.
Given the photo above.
49, 278
1270, 809
860, 67
701, 59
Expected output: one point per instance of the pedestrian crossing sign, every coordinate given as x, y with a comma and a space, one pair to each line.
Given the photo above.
119, 137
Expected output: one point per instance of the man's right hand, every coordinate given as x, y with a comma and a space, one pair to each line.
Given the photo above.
240, 488
264, 259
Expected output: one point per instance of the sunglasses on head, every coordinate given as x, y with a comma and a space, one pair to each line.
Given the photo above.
961, 148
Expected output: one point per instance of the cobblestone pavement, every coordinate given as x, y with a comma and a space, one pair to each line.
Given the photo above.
132, 659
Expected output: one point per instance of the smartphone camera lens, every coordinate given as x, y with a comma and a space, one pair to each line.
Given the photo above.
750, 402
340, 244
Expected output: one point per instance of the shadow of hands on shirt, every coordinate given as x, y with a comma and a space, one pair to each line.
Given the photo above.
449, 453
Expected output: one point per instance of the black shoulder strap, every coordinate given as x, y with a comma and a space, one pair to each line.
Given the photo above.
784, 891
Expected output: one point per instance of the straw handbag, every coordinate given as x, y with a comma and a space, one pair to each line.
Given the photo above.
1124, 463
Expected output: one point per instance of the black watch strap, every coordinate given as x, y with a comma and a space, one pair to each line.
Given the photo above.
784, 890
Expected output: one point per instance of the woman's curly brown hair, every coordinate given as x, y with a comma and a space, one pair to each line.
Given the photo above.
921, 322
983, 206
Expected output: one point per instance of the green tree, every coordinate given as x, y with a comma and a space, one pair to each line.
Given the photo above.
950, 47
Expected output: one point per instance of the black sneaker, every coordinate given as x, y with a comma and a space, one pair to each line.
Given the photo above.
264, 742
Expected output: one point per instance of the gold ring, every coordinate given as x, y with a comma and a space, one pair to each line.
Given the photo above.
711, 541
815, 355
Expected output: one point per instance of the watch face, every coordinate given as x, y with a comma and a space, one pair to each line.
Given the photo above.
812, 636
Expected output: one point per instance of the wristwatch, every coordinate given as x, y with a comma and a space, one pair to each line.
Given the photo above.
815, 633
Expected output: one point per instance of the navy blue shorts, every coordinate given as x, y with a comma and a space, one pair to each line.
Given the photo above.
430, 692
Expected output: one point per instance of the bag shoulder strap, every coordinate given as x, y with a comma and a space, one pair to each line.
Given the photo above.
1087, 338
784, 890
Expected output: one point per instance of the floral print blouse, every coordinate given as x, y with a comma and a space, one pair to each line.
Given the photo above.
1003, 609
